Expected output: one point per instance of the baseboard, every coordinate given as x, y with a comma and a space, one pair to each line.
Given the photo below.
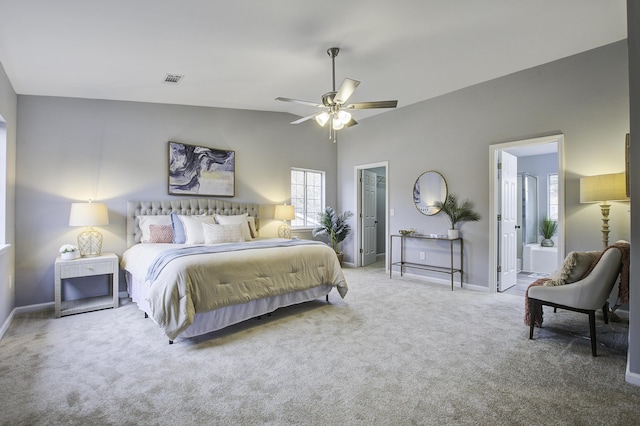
7, 323
632, 378
445, 281
36, 308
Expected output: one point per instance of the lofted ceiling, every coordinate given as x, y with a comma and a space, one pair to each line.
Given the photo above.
245, 53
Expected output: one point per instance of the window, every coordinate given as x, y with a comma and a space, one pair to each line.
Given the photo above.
307, 196
552, 195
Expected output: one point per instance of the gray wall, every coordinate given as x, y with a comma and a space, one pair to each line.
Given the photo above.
585, 97
633, 359
77, 149
8, 114
540, 166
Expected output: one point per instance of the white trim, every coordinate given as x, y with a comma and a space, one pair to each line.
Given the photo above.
358, 240
7, 323
493, 229
4, 248
35, 308
24, 310
632, 378
444, 281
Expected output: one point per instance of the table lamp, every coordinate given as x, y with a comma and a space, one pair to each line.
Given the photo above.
284, 212
602, 189
89, 214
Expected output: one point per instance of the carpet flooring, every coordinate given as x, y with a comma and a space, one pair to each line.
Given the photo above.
393, 352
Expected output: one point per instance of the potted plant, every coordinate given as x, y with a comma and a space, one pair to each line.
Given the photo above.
548, 227
334, 228
68, 252
457, 212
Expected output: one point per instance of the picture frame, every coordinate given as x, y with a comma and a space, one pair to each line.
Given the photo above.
627, 144
199, 170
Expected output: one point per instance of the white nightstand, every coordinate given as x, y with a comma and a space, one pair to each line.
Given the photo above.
106, 263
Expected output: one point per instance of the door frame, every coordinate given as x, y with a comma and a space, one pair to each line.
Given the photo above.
493, 199
358, 197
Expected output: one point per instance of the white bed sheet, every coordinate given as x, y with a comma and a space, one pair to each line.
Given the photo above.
220, 318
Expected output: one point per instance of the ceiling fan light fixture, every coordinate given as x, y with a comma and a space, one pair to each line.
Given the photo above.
344, 116
322, 118
337, 123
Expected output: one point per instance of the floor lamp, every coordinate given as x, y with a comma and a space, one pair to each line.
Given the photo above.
284, 212
602, 189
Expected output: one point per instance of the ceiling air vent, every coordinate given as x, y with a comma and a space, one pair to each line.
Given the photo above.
172, 78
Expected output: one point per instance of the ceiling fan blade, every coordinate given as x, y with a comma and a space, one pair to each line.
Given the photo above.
345, 91
298, 101
303, 119
351, 122
373, 104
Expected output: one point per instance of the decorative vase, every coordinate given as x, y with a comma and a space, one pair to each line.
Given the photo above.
453, 233
70, 255
546, 242
340, 258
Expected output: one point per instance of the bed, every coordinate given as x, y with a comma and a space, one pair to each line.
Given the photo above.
190, 286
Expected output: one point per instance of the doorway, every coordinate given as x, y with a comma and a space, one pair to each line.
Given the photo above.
371, 229
542, 158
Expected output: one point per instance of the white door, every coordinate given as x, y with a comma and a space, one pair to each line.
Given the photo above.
369, 222
508, 221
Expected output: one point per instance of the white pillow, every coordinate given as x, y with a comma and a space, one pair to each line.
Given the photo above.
193, 227
145, 220
214, 234
240, 219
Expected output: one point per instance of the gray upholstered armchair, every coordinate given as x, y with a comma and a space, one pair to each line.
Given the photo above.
585, 295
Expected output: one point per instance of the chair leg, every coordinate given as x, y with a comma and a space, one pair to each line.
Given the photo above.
605, 312
592, 331
532, 309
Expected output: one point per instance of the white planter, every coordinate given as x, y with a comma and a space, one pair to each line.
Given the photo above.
70, 255
453, 233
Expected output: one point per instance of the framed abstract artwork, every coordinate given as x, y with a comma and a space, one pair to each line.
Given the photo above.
198, 170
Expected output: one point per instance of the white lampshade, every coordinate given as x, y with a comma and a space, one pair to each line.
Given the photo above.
602, 189
89, 214
322, 118
344, 116
284, 212
611, 187
337, 123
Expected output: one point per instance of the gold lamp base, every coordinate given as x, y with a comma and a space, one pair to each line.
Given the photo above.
90, 243
284, 231
604, 208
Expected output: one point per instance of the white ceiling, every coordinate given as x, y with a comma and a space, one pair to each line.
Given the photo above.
244, 53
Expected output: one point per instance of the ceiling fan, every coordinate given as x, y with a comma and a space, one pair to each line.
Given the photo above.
333, 108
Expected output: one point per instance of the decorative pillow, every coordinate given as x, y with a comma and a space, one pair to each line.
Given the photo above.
252, 226
178, 229
160, 234
145, 220
573, 268
193, 232
214, 234
234, 220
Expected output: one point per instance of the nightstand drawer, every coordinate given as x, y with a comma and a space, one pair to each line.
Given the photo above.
86, 269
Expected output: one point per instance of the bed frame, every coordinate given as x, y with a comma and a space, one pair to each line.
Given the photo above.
220, 318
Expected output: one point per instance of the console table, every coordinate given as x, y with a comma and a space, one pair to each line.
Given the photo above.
450, 269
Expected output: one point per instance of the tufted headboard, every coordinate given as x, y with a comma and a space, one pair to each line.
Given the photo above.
186, 206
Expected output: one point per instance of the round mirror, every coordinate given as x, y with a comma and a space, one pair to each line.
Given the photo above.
429, 188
